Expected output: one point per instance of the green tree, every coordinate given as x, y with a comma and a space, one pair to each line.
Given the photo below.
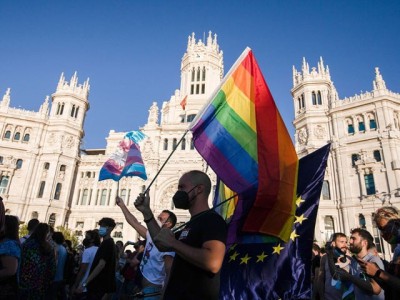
68, 235
23, 230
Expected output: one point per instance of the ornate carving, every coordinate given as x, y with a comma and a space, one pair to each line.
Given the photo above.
167, 195
319, 132
69, 141
302, 136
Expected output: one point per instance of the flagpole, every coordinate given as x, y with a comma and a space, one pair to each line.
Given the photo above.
204, 212
159, 171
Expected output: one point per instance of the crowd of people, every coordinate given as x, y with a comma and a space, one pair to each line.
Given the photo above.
351, 268
42, 265
180, 264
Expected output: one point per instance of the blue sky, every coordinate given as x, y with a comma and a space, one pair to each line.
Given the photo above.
131, 50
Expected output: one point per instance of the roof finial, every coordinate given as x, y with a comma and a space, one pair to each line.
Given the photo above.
6, 98
378, 83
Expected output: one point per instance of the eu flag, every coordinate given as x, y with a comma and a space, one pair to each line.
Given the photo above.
263, 267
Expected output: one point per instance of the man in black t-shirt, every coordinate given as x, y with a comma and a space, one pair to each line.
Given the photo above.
101, 280
199, 248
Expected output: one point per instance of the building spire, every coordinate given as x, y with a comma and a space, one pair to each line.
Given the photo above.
378, 83
6, 98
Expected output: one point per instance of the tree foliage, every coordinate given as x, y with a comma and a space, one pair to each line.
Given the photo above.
68, 235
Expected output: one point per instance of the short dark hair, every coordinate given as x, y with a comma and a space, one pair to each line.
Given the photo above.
171, 216
58, 237
109, 222
32, 224
337, 235
365, 235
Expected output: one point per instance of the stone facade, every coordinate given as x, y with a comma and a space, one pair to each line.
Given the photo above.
363, 169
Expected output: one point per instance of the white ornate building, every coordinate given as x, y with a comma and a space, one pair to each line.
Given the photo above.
59, 183
364, 165
44, 174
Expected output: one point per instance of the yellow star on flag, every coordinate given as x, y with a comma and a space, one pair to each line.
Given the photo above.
299, 201
232, 247
293, 235
261, 257
245, 259
278, 249
299, 219
233, 256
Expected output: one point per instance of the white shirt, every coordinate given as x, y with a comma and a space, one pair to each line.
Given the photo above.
152, 264
87, 258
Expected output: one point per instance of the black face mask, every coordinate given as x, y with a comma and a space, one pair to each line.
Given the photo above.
181, 199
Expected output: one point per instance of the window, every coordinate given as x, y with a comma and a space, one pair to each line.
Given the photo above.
361, 126
376, 234
76, 112
191, 144
325, 190
354, 158
204, 74
26, 137
118, 234
46, 166
183, 144
350, 129
372, 124
377, 155
4, 184
319, 98
88, 174
302, 101
62, 168
84, 196
191, 117
60, 108
361, 221
103, 197
123, 194
314, 98
17, 136
57, 192
369, 184
174, 143
7, 134
1, 160
41, 189
19, 163
329, 227
78, 233
165, 144
73, 110
198, 78
193, 74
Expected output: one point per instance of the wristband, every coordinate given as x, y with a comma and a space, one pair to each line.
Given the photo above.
378, 273
149, 219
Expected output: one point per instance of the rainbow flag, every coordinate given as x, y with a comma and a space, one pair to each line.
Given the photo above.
243, 138
127, 160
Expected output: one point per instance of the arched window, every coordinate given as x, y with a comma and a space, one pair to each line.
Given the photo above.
46, 166
62, 168
7, 134
361, 221
302, 101
76, 112
52, 220
193, 74
372, 124
204, 74
19, 163
57, 192
17, 136
377, 155
198, 74
3, 184
183, 144
174, 143
314, 98
354, 158
26, 137
41, 189
329, 227
84, 196
361, 125
350, 127
88, 174
73, 110
190, 118
191, 144
165, 144
319, 98
326, 195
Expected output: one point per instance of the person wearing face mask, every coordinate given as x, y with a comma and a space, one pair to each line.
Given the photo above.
155, 265
199, 247
100, 283
387, 220
91, 243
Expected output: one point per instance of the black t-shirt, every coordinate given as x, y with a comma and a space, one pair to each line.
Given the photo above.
105, 280
186, 280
